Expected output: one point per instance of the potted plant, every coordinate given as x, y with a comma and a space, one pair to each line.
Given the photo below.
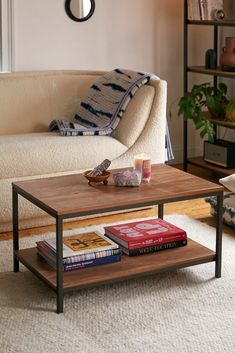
200, 98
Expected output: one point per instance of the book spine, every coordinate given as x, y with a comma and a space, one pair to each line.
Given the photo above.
203, 7
82, 264
43, 247
95, 262
91, 256
155, 248
196, 11
190, 10
148, 242
158, 241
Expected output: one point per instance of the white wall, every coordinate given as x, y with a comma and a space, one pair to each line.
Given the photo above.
138, 34
120, 33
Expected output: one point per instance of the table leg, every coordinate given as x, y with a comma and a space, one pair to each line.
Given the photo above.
15, 218
160, 211
219, 235
59, 264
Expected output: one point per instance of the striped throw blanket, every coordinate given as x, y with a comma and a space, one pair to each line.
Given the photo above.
101, 110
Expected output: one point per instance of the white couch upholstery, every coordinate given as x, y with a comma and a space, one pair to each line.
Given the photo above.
30, 100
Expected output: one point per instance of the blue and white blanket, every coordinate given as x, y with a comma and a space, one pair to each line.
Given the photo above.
101, 110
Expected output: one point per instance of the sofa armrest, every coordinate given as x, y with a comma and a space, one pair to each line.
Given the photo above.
151, 136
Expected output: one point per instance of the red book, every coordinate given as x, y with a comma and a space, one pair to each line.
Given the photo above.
140, 234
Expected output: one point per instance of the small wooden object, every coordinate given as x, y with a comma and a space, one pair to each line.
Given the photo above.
103, 178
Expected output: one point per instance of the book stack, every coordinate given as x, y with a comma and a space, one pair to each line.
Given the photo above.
81, 251
203, 9
146, 236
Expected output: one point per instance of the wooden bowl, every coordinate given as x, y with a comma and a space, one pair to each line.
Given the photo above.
103, 178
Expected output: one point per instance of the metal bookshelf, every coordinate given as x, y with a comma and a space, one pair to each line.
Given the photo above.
218, 72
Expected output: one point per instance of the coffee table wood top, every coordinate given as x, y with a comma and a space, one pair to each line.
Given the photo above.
69, 195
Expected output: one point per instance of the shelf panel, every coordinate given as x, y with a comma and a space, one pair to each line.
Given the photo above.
228, 23
227, 124
199, 161
129, 267
213, 72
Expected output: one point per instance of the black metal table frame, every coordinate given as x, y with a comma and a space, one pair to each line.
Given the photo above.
59, 230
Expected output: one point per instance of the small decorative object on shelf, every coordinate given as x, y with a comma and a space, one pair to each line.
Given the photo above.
127, 178
142, 164
211, 59
219, 15
227, 58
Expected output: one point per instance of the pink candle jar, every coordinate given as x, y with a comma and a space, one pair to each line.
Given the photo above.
142, 164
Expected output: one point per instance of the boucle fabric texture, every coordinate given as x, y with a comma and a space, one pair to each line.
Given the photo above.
186, 311
21, 155
47, 152
229, 182
101, 110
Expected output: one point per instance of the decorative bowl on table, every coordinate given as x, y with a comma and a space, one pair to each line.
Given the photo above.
103, 178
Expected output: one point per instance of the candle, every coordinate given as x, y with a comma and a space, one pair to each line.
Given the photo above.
142, 165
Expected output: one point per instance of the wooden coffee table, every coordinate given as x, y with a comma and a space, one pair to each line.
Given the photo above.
70, 196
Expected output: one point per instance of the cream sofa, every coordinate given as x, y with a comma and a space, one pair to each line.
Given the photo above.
30, 100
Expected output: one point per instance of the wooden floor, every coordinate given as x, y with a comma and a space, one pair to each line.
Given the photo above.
197, 209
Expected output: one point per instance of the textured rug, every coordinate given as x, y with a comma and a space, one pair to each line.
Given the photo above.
185, 311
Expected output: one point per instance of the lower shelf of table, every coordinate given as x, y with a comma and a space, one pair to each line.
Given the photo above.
129, 267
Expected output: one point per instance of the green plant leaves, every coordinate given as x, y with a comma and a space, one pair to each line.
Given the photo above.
192, 104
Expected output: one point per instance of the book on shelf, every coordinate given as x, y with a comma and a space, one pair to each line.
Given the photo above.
84, 243
154, 248
81, 264
147, 233
81, 250
203, 9
194, 10
43, 247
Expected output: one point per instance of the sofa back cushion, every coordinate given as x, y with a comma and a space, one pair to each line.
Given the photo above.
30, 100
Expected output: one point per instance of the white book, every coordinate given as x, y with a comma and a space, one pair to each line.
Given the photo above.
84, 243
212, 6
203, 8
190, 10
196, 10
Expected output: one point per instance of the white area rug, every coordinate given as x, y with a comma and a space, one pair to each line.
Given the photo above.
185, 311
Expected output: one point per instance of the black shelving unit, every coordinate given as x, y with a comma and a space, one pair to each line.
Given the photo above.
218, 72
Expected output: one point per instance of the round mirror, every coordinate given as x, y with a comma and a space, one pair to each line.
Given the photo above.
79, 10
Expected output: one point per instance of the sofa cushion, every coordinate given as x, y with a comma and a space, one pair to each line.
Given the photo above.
135, 116
229, 182
45, 153
36, 98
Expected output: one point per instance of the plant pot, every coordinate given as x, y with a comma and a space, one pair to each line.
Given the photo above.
216, 114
